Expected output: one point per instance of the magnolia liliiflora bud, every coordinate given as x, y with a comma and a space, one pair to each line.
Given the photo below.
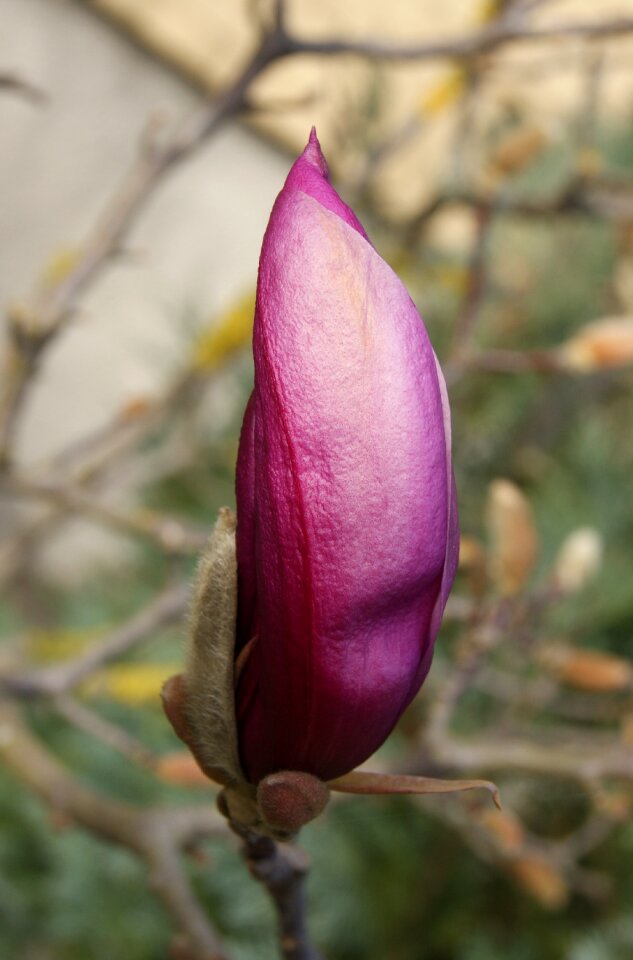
314, 621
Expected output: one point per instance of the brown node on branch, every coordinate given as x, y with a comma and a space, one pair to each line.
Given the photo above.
289, 799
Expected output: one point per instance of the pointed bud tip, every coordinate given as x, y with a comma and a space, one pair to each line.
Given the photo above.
314, 155
173, 695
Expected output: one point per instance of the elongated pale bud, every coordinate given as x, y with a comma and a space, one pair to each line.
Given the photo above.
505, 829
590, 670
542, 879
514, 542
579, 560
600, 345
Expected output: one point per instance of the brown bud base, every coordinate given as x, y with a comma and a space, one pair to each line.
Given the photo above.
278, 807
290, 799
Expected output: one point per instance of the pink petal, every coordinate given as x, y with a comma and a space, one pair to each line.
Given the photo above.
344, 502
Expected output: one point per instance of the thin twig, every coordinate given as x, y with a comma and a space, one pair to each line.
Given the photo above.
83, 463
542, 362
99, 728
168, 533
545, 694
582, 196
155, 835
589, 758
476, 285
86, 457
281, 868
163, 609
498, 33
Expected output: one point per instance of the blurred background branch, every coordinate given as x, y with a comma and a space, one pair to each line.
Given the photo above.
14, 83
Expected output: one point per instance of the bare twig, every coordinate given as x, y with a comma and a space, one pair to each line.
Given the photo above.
99, 728
505, 361
100, 448
16, 550
591, 758
163, 609
168, 533
590, 834
486, 632
582, 196
545, 694
516, 361
498, 33
281, 869
83, 463
156, 835
475, 286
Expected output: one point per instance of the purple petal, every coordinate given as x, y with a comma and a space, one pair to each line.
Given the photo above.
245, 538
343, 493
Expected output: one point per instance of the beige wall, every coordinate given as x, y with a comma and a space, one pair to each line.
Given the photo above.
356, 103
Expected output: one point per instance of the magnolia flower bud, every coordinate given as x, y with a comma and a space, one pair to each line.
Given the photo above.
313, 625
347, 527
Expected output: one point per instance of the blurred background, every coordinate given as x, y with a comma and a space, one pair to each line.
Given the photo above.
488, 148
